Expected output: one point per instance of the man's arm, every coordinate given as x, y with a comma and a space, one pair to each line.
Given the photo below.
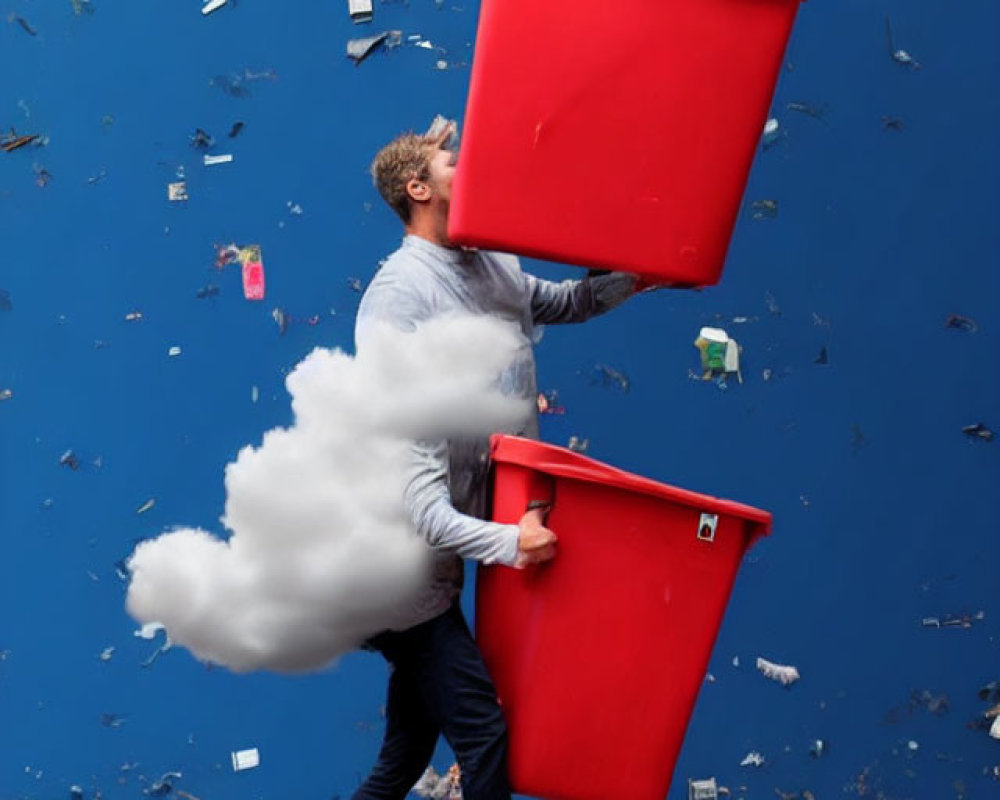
429, 505
577, 300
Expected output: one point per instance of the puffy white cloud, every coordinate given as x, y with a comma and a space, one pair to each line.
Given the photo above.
321, 554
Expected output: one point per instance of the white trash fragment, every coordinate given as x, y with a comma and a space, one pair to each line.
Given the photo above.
213, 5
752, 759
995, 728
174, 351
107, 653
146, 506
149, 630
785, 675
6, 394
439, 787
133, 316
245, 759
772, 132
736, 661
704, 789
912, 746
360, 10
211, 161
294, 209
254, 394
177, 191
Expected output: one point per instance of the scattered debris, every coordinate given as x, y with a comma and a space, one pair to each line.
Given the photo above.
360, 11
607, 376
785, 675
75, 793
95, 179
226, 254
359, 49
294, 208
133, 316
963, 620
164, 786
355, 285
253, 272
958, 322
254, 394
752, 759
772, 304
245, 759
816, 112
235, 130
720, 355
280, 319
211, 161
212, 5
772, 132
898, 55
892, 124
69, 459
764, 209
6, 394
109, 720
818, 748
25, 25
82, 7
177, 191
9, 142
147, 506
6, 304
823, 357
978, 431
174, 351
995, 728
211, 290
149, 632
440, 787
547, 403
936, 704
704, 789
578, 445
106, 654
201, 139
238, 85
42, 176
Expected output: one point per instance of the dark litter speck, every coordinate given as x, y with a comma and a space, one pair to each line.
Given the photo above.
960, 323
607, 376
23, 23
207, 291
9, 142
990, 693
5, 302
109, 720
355, 285
235, 130
816, 112
892, 124
75, 793
823, 357
978, 431
201, 140
164, 786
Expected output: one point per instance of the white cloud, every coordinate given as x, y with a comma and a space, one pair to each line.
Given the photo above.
321, 554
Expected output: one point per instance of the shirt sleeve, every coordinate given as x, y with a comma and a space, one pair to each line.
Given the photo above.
577, 300
428, 503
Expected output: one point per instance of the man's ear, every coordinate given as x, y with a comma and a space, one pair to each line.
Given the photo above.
418, 190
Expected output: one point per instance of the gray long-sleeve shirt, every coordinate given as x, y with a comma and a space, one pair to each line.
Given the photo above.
446, 489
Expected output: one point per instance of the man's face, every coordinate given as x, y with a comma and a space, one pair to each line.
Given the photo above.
442, 171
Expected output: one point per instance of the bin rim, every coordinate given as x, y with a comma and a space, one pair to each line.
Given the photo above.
561, 462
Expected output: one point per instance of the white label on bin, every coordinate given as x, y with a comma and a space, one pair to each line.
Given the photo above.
706, 527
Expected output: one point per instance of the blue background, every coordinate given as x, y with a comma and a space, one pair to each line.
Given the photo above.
884, 512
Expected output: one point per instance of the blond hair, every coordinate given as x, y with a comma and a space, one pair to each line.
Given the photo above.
405, 158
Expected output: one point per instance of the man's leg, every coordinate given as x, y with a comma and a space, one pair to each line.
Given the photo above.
410, 736
463, 700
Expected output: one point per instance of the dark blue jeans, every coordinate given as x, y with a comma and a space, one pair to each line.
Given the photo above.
438, 684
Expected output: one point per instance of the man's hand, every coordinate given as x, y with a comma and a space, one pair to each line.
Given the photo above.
536, 544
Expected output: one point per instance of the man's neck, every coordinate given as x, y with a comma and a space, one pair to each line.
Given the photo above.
433, 230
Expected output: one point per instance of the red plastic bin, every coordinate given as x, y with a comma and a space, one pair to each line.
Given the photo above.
598, 655
616, 134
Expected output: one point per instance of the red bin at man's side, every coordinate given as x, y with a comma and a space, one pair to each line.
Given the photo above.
598, 655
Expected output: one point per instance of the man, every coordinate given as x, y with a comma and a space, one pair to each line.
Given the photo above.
438, 683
